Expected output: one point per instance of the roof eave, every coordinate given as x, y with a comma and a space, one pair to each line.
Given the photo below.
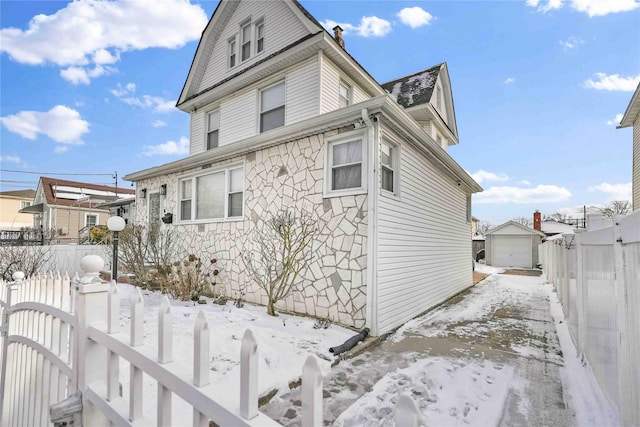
633, 109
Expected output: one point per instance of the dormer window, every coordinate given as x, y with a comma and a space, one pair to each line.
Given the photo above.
345, 95
232, 52
245, 34
259, 34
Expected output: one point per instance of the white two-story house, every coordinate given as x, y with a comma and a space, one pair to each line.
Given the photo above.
283, 117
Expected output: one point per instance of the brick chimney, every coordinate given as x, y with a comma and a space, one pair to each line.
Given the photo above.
337, 34
537, 224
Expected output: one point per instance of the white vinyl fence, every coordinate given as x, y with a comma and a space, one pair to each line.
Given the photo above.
596, 274
61, 339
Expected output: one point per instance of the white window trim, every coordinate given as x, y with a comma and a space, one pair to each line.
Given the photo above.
395, 167
349, 93
242, 41
206, 133
234, 40
328, 163
87, 214
255, 36
282, 80
24, 204
193, 199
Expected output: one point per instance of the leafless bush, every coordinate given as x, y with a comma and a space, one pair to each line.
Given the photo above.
191, 278
281, 251
28, 259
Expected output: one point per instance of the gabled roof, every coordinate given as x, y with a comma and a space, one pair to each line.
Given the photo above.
60, 192
633, 109
22, 194
414, 89
513, 223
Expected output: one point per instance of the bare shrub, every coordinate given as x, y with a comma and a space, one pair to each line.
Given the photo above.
28, 259
281, 251
190, 278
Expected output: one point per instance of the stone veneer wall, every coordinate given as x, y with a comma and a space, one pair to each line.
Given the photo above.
289, 175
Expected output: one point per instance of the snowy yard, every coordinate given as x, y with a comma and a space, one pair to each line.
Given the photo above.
498, 355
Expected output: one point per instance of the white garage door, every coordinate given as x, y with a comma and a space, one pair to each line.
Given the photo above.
511, 251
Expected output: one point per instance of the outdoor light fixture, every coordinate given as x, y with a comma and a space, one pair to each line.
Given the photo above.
143, 193
163, 190
116, 224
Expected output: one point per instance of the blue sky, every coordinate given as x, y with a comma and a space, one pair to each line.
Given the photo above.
89, 87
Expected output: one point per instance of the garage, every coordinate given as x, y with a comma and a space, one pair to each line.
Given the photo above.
512, 245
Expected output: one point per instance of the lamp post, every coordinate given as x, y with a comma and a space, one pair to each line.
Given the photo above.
115, 224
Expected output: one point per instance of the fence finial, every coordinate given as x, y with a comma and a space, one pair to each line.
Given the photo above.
165, 332
17, 276
201, 351
249, 376
91, 265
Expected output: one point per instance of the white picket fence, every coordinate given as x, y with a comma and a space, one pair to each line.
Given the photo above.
596, 274
61, 339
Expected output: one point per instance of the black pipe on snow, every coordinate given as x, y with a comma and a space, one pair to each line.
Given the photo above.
350, 343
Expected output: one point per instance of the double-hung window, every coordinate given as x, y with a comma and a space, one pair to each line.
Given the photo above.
232, 52
259, 34
90, 220
24, 204
344, 95
213, 126
388, 161
213, 195
345, 169
272, 104
245, 40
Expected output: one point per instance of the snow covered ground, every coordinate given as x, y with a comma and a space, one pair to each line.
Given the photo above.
499, 355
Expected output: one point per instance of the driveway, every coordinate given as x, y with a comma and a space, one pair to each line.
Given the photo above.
490, 356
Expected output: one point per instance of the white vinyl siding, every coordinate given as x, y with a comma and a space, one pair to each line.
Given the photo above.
424, 244
331, 79
636, 165
302, 91
238, 117
282, 27
198, 139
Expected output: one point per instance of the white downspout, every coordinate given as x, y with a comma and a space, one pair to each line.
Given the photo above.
373, 136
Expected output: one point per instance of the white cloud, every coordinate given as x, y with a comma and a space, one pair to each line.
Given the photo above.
414, 16
509, 80
158, 124
571, 42
169, 147
615, 121
59, 149
601, 7
590, 7
483, 175
370, 26
614, 191
613, 82
88, 35
127, 95
11, 159
61, 123
525, 182
538, 194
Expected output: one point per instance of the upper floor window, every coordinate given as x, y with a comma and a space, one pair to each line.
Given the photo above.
245, 41
259, 34
232, 52
24, 204
344, 167
345, 95
272, 105
214, 195
388, 166
213, 127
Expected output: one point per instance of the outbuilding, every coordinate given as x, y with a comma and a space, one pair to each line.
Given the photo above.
512, 245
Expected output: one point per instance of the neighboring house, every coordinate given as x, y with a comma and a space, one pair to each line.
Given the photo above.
10, 204
283, 117
512, 245
125, 207
632, 118
474, 226
69, 208
551, 227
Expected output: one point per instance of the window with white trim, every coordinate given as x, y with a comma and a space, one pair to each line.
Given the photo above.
345, 164
24, 204
388, 166
90, 220
259, 35
232, 52
213, 127
272, 107
212, 195
344, 95
245, 41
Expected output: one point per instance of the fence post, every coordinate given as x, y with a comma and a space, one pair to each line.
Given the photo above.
625, 367
581, 294
4, 332
406, 412
91, 307
311, 393
248, 376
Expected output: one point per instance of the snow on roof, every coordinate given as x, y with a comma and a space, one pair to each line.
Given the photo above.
415, 89
550, 226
